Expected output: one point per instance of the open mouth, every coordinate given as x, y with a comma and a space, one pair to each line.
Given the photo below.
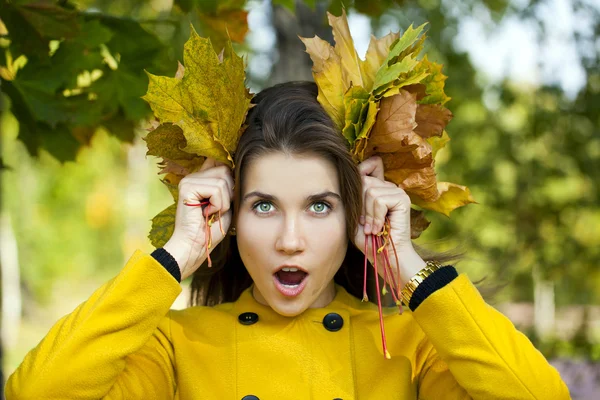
290, 277
290, 281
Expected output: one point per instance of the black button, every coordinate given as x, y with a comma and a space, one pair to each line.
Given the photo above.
333, 322
248, 318
250, 396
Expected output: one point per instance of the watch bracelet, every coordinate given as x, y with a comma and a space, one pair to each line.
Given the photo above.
417, 279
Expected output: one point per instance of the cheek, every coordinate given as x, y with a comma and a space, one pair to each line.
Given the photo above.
330, 237
252, 238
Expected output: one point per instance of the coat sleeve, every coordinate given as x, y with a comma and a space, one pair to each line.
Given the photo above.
115, 345
475, 352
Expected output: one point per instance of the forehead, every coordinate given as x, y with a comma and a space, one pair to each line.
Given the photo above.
284, 173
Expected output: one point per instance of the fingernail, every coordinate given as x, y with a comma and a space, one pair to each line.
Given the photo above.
367, 229
362, 219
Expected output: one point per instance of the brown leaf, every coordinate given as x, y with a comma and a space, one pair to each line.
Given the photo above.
417, 181
394, 124
418, 223
180, 167
418, 88
431, 120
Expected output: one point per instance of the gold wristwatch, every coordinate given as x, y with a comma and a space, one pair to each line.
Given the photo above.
416, 280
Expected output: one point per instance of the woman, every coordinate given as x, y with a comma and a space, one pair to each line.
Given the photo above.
281, 316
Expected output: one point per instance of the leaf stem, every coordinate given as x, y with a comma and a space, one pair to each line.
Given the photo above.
385, 351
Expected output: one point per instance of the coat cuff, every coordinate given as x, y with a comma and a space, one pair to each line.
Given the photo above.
167, 261
437, 280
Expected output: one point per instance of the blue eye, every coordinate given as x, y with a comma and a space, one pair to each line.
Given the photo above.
320, 207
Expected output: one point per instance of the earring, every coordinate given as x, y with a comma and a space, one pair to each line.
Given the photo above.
232, 231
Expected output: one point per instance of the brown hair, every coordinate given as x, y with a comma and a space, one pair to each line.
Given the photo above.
288, 118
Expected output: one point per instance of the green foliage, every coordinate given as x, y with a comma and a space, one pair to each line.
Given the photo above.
84, 70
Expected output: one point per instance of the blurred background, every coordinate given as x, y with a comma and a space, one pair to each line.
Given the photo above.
79, 192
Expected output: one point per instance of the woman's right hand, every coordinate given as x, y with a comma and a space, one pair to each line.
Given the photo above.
213, 182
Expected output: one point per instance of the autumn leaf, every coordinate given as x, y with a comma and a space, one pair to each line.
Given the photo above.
399, 60
394, 124
391, 105
166, 141
209, 103
344, 47
438, 143
172, 185
327, 73
338, 69
163, 225
451, 197
434, 82
431, 120
418, 223
356, 103
180, 168
376, 55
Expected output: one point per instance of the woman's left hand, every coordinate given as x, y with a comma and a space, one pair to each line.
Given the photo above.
380, 199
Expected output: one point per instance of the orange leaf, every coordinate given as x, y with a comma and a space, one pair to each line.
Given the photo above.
431, 120
418, 223
394, 124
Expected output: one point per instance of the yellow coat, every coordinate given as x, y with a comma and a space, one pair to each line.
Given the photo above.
125, 343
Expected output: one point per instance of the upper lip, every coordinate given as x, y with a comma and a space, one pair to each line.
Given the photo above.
289, 266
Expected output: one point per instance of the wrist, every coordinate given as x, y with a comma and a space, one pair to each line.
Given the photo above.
410, 264
182, 253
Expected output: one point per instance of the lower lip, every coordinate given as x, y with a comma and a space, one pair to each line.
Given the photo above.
289, 291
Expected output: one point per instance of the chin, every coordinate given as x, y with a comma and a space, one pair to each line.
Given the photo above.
287, 306
292, 309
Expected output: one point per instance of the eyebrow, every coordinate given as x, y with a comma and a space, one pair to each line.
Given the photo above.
312, 197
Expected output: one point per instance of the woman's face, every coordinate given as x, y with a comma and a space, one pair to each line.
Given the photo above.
291, 214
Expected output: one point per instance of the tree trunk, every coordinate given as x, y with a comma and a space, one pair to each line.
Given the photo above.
293, 63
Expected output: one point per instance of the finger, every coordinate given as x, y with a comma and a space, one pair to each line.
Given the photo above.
194, 194
215, 180
221, 171
222, 203
372, 166
208, 163
378, 202
368, 182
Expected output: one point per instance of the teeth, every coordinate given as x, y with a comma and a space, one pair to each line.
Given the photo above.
290, 269
289, 286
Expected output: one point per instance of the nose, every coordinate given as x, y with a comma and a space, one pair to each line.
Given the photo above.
290, 240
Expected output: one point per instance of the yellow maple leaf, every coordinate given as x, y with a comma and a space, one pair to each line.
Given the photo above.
209, 102
451, 197
344, 48
327, 73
